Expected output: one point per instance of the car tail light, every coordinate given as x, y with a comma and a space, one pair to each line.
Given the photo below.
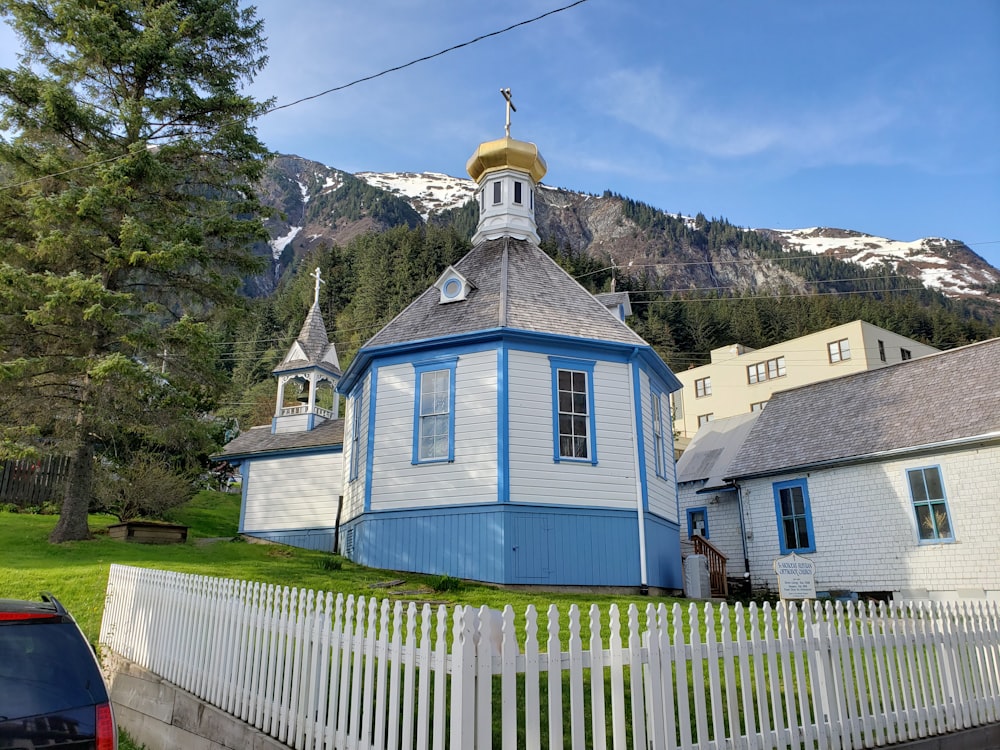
33, 616
107, 734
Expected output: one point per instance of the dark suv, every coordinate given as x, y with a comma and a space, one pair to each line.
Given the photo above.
52, 693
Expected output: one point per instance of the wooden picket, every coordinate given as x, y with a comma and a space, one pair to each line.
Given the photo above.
319, 671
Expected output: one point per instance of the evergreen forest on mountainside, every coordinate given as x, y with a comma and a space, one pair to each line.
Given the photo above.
374, 276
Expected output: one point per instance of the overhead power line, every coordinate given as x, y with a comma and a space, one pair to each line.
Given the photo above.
425, 58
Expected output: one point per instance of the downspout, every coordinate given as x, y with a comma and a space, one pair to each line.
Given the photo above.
743, 536
636, 393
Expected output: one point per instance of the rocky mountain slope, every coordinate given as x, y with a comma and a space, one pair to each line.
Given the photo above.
315, 205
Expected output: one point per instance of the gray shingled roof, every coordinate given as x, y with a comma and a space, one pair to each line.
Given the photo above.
517, 287
713, 448
314, 342
949, 396
260, 440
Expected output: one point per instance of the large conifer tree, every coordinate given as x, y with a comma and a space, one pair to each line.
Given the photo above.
127, 155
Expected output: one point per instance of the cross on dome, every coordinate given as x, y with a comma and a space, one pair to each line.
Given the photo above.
316, 275
505, 93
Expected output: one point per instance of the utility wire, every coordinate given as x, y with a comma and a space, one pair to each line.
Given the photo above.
425, 58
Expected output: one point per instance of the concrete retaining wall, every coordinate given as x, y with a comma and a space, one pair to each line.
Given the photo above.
161, 716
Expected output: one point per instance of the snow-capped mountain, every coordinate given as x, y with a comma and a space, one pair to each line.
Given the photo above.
946, 265
427, 192
316, 205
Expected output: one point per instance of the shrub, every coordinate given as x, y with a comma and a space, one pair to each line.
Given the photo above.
145, 486
446, 583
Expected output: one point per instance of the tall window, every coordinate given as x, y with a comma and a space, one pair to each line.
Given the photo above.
497, 192
659, 443
927, 494
881, 350
573, 410
355, 433
517, 192
769, 370
703, 387
434, 412
839, 350
791, 506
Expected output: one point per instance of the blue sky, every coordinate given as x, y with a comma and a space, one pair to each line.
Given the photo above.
883, 117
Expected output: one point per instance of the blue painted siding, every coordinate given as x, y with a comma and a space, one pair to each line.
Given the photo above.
317, 539
510, 543
663, 553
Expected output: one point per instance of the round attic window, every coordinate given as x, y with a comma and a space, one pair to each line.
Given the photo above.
452, 288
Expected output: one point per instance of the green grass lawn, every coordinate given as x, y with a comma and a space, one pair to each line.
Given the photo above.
77, 572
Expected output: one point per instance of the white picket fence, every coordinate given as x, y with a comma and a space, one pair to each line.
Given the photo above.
315, 670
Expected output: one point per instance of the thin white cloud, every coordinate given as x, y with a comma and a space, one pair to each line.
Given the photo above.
684, 115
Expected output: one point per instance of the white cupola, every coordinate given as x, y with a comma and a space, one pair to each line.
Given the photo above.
507, 172
308, 376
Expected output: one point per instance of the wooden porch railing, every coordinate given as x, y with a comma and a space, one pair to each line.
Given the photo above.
716, 565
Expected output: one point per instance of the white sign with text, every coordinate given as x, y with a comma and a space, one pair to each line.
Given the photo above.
796, 577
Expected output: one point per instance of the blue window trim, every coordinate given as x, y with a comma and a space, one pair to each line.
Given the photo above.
690, 513
947, 509
419, 368
660, 457
370, 450
576, 365
357, 395
777, 487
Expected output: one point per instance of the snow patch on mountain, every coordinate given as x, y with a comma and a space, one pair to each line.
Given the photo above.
427, 192
280, 243
939, 263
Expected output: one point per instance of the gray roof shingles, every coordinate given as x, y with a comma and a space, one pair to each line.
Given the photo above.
260, 440
314, 341
528, 291
952, 395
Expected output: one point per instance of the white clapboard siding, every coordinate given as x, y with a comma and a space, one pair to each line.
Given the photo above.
534, 476
318, 670
293, 492
472, 477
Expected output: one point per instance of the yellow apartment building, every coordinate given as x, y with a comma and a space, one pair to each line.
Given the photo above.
739, 379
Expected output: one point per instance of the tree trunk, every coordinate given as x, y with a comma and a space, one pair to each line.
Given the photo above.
72, 525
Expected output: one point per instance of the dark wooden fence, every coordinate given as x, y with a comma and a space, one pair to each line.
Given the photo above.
28, 482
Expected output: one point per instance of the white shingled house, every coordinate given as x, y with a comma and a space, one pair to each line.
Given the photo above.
887, 480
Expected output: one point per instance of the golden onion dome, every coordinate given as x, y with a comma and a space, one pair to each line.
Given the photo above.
506, 153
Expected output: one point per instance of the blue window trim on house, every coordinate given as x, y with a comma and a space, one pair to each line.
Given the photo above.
929, 503
357, 396
586, 367
659, 431
640, 439
782, 541
420, 369
370, 451
690, 520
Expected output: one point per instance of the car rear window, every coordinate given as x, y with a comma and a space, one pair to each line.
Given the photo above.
46, 667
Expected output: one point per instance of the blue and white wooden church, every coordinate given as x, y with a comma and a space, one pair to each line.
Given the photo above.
292, 469
507, 426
